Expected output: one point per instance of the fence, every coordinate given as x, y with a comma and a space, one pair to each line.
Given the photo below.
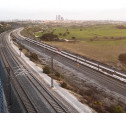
1, 91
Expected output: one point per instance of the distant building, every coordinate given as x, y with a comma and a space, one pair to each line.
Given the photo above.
56, 17
59, 18
62, 18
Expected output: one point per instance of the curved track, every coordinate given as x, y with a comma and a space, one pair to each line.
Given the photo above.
107, 77
35, 97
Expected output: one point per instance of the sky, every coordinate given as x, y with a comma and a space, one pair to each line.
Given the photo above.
69, 9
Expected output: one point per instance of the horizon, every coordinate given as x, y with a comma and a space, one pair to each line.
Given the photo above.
71, 10
27, 19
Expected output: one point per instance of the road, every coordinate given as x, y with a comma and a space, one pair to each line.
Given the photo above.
109, 82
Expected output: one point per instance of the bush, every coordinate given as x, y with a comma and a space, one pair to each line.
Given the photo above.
121, 27
89, 92
122, 57
64, 85
99, 109
49, 37
20, 49
81, 92
57, 74
115, 109
62, 76
60, 34
64, 34
73, 38
68, 32
100, 103
46, 70
91, 39
33, 56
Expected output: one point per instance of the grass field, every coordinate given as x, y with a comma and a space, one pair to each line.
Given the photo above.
104, 52
86, 33
103, 43
105, 48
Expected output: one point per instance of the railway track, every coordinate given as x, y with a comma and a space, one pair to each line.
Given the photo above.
53, 102
112, 79
30, 108
48, 96
114, 73
95, 66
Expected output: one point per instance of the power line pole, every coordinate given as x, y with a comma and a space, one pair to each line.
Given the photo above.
44, 47
77, 62
9, 84
52, 72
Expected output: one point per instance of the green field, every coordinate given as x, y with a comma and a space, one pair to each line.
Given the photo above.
103, 43
99, 32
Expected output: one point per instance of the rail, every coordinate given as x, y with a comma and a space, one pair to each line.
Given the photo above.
96, 66
52, 100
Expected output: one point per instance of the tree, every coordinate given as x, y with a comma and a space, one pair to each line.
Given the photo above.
64, 34
33, 56
81, 29
46, 70
20, 50
73, 38
121, 27
60, 34
122, 57
49, 37
64, 84
57, 74
68, 32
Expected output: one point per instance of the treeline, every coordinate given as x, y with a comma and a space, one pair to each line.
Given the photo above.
4, 26
121, 27
49, 37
